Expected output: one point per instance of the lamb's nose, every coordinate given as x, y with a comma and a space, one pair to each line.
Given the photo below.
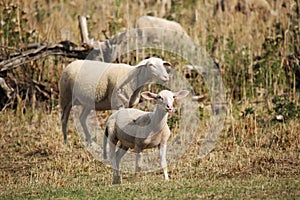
169, 107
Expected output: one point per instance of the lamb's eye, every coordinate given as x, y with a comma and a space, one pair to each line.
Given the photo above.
159, 97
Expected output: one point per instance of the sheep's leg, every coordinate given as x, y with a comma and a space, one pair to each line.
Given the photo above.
163, 160
113, 159
83, 116
64, 120
120, 153
137, 167
105, 137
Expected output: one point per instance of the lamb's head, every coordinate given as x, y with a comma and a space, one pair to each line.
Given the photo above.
156, 68
165, 98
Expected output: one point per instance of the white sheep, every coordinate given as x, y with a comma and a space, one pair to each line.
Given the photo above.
139, 130
105, 86
244, 6
153, 28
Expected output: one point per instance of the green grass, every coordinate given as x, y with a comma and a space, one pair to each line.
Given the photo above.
255, 187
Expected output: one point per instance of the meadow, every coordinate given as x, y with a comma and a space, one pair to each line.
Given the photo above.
256, 49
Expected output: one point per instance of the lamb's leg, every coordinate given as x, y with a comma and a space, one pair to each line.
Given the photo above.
162, 152
83, 116
137, 167
112, 157
64, 119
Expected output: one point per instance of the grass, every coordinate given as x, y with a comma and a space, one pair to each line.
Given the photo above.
254, 188
35, 164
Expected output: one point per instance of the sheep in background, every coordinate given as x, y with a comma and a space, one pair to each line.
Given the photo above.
155, 26
244, 6
161, 8
165, 7
105, 86
140, 130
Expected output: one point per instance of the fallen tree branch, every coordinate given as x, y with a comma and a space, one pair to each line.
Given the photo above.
90, 49
63, 48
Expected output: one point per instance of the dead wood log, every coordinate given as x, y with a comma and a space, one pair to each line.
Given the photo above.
83, 30
63, 48
199, 98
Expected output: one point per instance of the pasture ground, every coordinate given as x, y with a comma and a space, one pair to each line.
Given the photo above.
35, 164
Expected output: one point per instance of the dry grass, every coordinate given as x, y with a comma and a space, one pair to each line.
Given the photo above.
35, 163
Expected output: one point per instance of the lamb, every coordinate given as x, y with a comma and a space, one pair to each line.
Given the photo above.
139, 130
105, 86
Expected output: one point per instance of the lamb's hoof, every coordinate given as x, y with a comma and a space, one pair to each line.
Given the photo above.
138, 170
137, 177
88, 141
94, 139
116, 180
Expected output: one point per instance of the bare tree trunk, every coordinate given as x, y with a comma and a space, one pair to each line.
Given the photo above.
83, 30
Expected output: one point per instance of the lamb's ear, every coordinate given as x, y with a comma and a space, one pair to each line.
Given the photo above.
167, 64
149, 95
181, 94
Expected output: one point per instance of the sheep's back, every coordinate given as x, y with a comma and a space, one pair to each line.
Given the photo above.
132, 127
154, 22
94, 81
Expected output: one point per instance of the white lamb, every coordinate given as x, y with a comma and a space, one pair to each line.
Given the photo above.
140, 130
105, 86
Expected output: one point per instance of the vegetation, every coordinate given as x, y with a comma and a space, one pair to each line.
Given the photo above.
258, 152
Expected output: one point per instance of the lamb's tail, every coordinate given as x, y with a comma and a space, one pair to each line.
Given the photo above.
105, 143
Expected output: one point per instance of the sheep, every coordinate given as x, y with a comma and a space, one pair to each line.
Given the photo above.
244, 6
106, 51
105, 86
156, 22
153, 27
140, 130
165, 7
